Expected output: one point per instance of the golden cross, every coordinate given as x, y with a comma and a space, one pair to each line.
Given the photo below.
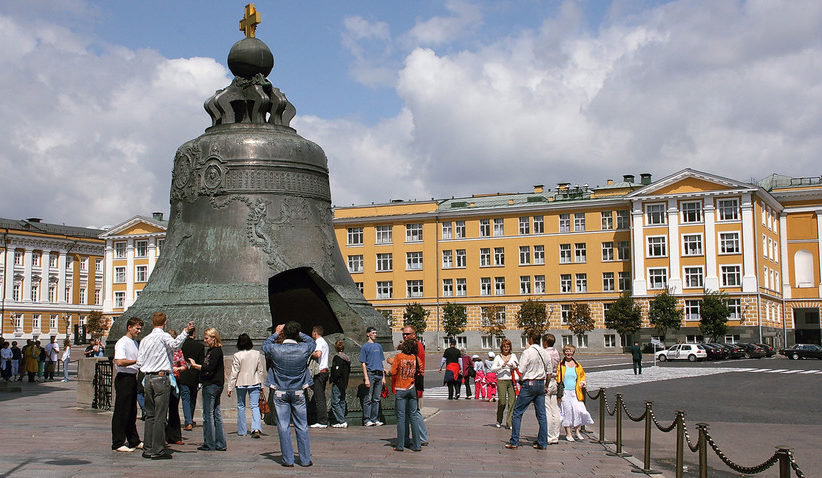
250, 21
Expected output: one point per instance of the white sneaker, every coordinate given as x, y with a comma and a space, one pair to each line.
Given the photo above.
139, 446
378, 423
340, 425
124, 449
499, 425
569, 438
318, 425
370, 424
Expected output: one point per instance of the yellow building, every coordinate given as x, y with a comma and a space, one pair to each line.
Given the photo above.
690, 232
52, 278
132, 249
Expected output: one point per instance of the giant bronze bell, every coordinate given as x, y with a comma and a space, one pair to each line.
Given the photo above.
250, 240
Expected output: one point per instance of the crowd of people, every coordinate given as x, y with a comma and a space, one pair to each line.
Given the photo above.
38, 363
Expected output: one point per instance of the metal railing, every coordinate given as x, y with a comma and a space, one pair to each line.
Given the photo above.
102, 385
783, 458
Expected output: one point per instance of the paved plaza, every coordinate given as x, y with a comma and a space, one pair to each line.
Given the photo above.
44, 434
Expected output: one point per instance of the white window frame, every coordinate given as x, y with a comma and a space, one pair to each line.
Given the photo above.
539, 254
539, 225
654, 216
727, 209
385, 262
384, 234
580, 253
525, 285
691, 310
623, 280
120, 248
414, 288
539, 284
653, 274
693, 277
484, 228
581, 282
608, 251
461, 287
120, 275
606, 220
485, 286
137, 271
460, 259
688, 240
499, 285
448, 287
119, 299
657, 246
623, 250
385, 289
459, 229
729, 238
565, 254
564, 313
726, 272
413, 232
623, 219
413, 261
524, 226
608, 282
735, 307
566, 284
579, 222
447, 259
355, 263
140, 248
446, 230
499, 227
499, 256
690, 212
485, 257
524, 255
582, 341
354, 236
565, 222
609, 341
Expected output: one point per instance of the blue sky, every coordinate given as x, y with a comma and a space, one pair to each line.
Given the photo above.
409, 100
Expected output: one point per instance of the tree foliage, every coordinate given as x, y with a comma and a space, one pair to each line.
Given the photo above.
454, 319
415, 315
96, 324
579, 318
491, 324
713, 314
624, 316
664, 314
532, 317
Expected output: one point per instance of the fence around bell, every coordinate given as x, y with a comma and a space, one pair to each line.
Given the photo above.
783, 458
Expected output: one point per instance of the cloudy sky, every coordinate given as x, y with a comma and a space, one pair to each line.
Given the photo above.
409, 100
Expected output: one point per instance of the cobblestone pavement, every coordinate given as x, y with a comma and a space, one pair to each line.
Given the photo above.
44, 434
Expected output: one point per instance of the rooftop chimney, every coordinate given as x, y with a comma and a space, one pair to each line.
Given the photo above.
539, 188
645, 178
628, 178
33, 219
562, 186
158, 216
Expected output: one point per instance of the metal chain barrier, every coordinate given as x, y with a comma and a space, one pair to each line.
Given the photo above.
660, 427
605, 397
596, 395
747, 470
794, 466
628, 414
694, 448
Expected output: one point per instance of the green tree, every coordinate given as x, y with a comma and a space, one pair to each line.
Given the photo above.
531, 316
579, 318
713, 314
415, 316
491, 323
389, 316
624, 316
454, 319
664, 314
96, 324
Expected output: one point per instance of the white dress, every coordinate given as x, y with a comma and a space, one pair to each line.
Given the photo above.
572, 411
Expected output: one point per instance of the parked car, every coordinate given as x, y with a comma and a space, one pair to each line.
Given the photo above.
753, 351
769, 351
802, 351
715, 351
690, 352
734, 351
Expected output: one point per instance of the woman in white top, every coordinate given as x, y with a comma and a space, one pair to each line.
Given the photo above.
66, 358
247, 375
504, 363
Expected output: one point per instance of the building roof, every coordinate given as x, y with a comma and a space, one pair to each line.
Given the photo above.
47, 228
780, 181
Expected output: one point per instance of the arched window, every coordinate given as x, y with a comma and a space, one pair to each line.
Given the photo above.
803, 268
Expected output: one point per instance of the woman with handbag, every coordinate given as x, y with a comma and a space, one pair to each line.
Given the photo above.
247, 376
403, 370
571, 377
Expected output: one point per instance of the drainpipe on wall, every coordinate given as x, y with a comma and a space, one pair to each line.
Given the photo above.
758, 289
5, 269
437, 268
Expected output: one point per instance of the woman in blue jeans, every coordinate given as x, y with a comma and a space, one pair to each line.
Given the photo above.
212, 377
247, 376
403, 369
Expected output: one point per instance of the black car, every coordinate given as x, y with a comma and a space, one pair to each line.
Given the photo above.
715, 352
753, 351
802, 351
769, 351
734, 351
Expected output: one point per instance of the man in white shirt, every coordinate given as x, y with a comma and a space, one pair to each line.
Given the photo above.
318, 403
551, 405
533, 366
154, 360
51, 358
124, 436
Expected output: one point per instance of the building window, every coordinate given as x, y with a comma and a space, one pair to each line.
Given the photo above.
624, 279
360, 287
141, 247
18, 258
82, 294
413, 233
539, 254
731, 276
489, 342
499, 256
693, 277
729, 242
385, 262
524, 226
119, 275
691, 211
68, 293
69, 263
735, 307
447, 259
623, 219
119, 300
446, 230
141, 274
525, 285
35, 321
17, 319
35, 259
385, 289
655, 214
564, 223
413, 261
498, 318
524, 255
119, 250
657, 278
84, 264
607, 220
459, 229
579, 222
582, 341
52, 293
691, 245
564, 314
579, 252
539, 284
567, 340
462, 288
460, 257
565, 283
98, 266
565, 253
35, 291
539, 225
499, 285
657, 246
608, 281
607, 251
97, 294
728, 209
485, 257
355, 263
582, 282
53, 258
413, 288
354, 236
692, 309
485, 286
731, 339
461, 342
53, 322
610, 341
499, 227
447, 287
159, 245
485, 228
606, 307
15, 293
385, 234
624, 250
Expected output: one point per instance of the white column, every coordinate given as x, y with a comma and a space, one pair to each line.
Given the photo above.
44, 276
638, 250
675, 275
819, 245
783, 247
129, 273
749, 281
711, 276
61, 278
152, 257
9, 272
27, 275
108, 280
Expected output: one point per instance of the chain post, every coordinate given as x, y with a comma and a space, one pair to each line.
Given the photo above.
680, 442
646, 462
603, 414
703, 449
618, 411
784, 461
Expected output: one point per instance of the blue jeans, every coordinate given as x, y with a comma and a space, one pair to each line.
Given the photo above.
371, 403
338, 403
213, 433
253, 392
406, 406
65, 369
532, 391
188, 395
290, 406
419, 422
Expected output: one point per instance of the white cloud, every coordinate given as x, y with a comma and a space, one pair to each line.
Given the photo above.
466, 18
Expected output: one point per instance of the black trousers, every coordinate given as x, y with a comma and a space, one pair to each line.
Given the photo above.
124, 419
467, 387
637, 365
318, 406
174, 431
